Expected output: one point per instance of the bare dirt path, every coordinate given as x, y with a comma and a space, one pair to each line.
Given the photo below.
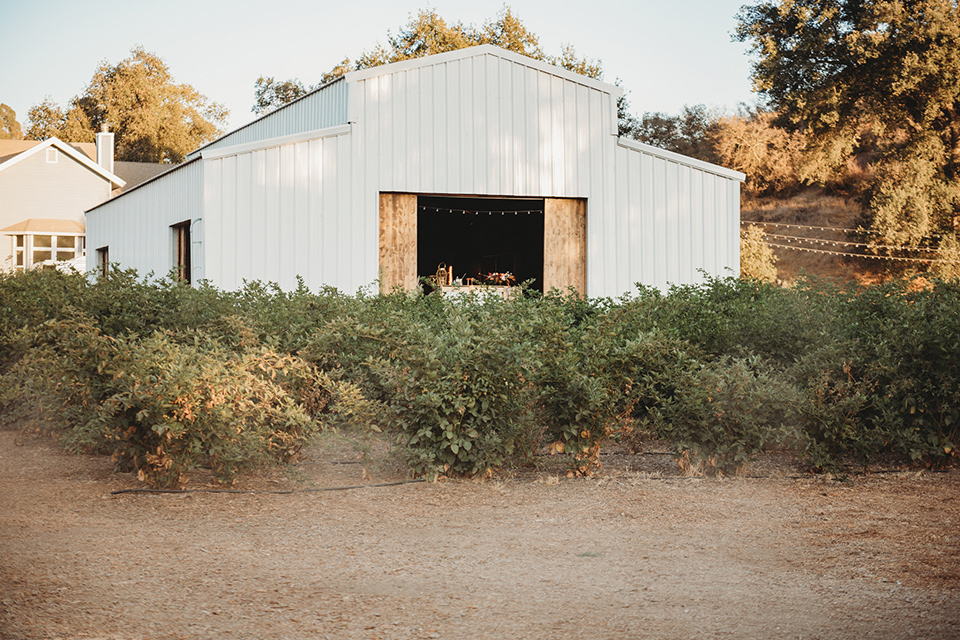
633, 554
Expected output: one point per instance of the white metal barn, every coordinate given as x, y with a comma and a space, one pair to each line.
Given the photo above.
480, 159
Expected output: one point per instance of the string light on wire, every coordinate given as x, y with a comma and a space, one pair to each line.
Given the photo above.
478, 212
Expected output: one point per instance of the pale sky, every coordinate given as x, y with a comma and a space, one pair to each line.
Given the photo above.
667, 54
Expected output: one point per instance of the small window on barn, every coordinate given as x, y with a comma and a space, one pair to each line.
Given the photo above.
52, 156
103, 260
181, 238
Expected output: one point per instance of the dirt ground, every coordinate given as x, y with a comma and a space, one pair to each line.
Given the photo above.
637, 552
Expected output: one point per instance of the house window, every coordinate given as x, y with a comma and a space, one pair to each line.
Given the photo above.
52, 156
103, 260
31, 250
18, 250
181, 238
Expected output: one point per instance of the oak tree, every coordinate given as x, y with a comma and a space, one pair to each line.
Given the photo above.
9, 127
840, 70
269, 93
154, 119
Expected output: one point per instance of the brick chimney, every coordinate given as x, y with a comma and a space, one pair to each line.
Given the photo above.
105, 149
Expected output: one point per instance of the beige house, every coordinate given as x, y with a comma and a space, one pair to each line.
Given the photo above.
45, 187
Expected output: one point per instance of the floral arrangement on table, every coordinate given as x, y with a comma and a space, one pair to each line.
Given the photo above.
505, 278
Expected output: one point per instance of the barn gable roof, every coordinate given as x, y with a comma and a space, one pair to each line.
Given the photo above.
483, 50
301, 115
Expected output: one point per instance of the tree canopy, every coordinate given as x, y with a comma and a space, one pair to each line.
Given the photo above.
690, 133
269, 92
878, 76
154, 119
9, 127
425, 34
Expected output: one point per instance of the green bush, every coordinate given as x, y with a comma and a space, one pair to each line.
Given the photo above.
456, 390
161, 406
757, 260
909, 342
166, 376
741, 317
597, 375
725, 412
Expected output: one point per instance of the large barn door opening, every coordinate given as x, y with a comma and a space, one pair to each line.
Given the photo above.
539, 240
482, 240
565, 244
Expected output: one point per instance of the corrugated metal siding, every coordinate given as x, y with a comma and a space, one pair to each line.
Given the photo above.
136, 226
481, 125
669, 221
282, 212
324, 108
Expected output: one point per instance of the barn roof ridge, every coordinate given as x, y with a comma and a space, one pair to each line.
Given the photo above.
479, 50
426, 61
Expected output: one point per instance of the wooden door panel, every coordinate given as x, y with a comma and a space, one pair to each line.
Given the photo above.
565, 244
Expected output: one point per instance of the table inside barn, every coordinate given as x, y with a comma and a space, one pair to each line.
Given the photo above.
502, 291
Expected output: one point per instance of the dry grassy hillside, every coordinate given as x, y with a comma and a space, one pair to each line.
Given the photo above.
805, 239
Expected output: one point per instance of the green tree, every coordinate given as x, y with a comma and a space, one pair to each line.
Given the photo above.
769, 155
9, 127
269, 93
425, 34
154, 119
689, 133
835, 69
947, 265
45, 120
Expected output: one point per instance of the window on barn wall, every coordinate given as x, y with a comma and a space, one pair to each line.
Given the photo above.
489, 241
103, 260
181, 238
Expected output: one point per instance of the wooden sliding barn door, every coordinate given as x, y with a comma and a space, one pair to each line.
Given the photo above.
398, 241
565, 244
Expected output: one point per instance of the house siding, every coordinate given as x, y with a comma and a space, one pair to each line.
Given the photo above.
672, 223
275, 213
26, 191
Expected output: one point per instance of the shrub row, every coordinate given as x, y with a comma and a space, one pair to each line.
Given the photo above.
166, 377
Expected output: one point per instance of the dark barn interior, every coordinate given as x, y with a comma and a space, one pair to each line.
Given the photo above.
479, 236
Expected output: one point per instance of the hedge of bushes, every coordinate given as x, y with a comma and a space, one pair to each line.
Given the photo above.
166, 377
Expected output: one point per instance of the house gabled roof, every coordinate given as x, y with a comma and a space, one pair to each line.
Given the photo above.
80, 157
